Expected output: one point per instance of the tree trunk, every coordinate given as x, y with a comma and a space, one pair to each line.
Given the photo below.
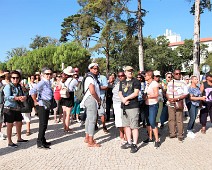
196, 43
107, 62
140, 38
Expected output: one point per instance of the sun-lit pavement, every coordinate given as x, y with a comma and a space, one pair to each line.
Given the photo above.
68, 151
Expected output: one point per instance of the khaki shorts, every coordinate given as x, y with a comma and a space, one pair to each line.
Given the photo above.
130, 119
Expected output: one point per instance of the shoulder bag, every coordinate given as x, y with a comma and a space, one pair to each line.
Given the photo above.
179, 105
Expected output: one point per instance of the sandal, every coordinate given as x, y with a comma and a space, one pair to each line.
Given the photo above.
68, 130
94, 144
86, 140
28, 133
203, 131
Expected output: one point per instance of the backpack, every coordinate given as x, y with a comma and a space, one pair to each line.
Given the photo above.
80, 92
64, 93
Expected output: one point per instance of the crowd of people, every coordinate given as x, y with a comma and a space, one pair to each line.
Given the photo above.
135, 99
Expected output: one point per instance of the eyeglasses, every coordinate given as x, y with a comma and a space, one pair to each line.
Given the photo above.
177, 73
15, 78
96, 68
169, 77
121, 75
58, 76
48, 74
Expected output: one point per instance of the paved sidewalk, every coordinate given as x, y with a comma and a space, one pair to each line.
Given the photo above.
68, 151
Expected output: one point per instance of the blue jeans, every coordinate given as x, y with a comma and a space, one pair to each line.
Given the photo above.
193, 114
151, 112
164, 115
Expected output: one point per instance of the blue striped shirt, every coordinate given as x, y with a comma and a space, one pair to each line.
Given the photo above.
43, 90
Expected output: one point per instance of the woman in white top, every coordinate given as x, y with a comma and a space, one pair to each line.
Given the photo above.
151, 110
68, 102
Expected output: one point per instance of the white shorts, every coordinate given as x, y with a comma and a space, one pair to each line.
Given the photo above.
27, 117
118, 114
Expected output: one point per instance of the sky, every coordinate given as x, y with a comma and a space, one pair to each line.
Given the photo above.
22, 20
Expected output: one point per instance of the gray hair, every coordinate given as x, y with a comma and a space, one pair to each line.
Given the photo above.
44, 69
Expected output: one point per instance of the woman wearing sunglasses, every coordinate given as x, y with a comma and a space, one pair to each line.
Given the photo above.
13, 96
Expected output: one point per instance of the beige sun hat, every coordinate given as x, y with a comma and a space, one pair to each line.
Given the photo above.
69, 71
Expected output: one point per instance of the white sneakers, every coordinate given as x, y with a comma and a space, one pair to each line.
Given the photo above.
2, 136
190, 134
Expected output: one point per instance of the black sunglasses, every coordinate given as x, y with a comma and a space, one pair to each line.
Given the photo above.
177, 73
48, 74
15, 78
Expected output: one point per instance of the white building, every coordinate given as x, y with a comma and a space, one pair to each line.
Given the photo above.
172, 37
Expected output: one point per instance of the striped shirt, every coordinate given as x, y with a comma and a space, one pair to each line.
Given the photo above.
43, 90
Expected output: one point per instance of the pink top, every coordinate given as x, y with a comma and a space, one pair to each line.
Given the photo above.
149, 91
57, 93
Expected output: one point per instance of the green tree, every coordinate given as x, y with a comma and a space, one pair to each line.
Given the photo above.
159, 56
100, 20
81, 27
71, 54
3, 66
19, 51
39, 42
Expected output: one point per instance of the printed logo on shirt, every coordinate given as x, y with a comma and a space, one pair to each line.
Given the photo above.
208, 93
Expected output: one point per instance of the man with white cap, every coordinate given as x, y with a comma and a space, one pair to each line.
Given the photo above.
128, 92
91, 102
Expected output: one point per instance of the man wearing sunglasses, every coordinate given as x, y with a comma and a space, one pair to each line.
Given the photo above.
176, 91
43, 104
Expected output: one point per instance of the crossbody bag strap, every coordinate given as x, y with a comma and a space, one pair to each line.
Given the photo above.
173, 88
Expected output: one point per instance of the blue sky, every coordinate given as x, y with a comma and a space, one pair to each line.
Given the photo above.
22, 20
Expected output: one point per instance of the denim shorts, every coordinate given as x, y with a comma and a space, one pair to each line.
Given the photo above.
151, 112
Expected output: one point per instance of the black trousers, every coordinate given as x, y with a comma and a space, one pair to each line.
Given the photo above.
205, 112
43, 123
109, 103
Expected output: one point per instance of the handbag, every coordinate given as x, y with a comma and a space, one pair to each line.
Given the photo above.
179, 105
50, 104
27, 105
64, 93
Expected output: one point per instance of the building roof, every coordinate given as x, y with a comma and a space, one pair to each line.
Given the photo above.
182, 42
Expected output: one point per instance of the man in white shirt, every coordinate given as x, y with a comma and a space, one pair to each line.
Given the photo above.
91, 101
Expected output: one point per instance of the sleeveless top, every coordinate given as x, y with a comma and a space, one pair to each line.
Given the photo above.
207, 91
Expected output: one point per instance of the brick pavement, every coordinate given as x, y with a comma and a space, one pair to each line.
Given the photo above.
68, 151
